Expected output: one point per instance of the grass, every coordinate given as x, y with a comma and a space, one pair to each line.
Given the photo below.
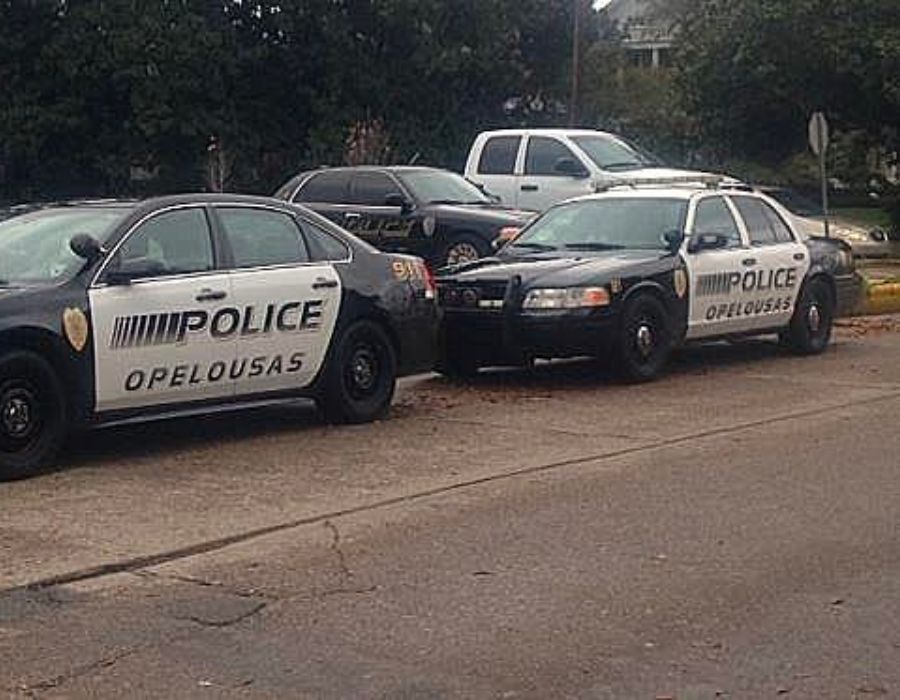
866, 216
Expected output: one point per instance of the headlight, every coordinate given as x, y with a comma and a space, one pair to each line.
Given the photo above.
567, 298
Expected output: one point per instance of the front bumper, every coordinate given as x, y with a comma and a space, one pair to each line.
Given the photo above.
496, 337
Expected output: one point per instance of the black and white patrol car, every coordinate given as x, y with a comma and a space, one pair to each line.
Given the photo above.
117, 311
639, 272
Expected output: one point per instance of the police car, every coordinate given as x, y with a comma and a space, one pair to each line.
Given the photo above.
118, 311
640, 271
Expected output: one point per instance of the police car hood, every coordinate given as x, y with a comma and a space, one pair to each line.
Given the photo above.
553, 269
491, 214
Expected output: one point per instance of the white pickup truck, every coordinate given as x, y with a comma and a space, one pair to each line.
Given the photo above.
534, 169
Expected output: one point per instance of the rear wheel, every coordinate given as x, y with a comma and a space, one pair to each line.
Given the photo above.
32, 414
810, 329
361, 379
645, 341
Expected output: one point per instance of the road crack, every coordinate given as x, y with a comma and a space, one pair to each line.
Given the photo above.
344, 571
228, 622
33, 689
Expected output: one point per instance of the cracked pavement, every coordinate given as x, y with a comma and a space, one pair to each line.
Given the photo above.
730, 531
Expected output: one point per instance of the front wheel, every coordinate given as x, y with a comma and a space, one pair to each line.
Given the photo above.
810, 329
645, 341
463, 248
32, 414
361, 379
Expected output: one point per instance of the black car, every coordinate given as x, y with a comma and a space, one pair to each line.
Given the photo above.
119, 311
432, 213
638, 272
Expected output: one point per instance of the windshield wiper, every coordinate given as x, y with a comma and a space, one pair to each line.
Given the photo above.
628, 165
587, 245
540, 247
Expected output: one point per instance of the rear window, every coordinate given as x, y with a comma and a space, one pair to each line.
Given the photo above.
499, 155
764, 225
325, 187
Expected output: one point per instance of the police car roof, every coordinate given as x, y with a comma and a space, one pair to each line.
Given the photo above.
151, 202
549, 132
648, 192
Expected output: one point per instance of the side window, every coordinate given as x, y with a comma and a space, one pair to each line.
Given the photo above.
714, 216
259, 237
372, 189
543, 154
325, 187
764, 225
498, 157
175, 242
323, 246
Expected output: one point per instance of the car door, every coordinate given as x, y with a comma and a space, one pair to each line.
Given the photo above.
288, 303
714, 274
159, 335
379, 218
776, 264
552, 173
495, 172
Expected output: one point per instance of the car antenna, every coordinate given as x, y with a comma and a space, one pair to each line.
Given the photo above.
414, 159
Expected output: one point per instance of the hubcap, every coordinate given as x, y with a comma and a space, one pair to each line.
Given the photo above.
17, 413
460, 253
814, 318
363, 370
644, 339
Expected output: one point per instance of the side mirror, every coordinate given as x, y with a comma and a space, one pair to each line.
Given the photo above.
673, 239
126, 271
395, 199
570, 167
86, 247
707, 241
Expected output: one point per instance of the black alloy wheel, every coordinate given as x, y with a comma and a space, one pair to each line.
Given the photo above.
360, 382
645, 340
32, 414
810, 329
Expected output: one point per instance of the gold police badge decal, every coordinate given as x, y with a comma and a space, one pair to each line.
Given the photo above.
679, 281
75, 325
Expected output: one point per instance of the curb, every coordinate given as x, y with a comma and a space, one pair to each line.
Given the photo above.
880, 298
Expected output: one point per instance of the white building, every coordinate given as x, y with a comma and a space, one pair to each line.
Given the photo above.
646, 33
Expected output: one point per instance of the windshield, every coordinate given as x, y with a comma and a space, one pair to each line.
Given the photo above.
615, 154
442, 187
605, 224
34, 248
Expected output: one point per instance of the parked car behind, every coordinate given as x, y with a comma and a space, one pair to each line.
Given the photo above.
536, 168
435, 214
866, 241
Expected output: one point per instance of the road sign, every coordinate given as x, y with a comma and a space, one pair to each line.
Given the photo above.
818, 133
818, 142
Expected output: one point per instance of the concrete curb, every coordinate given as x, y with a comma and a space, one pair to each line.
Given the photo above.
880, 298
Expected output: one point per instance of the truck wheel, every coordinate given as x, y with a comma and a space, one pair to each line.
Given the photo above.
810, 329
32, 414
463, 248
361, 379
645, 341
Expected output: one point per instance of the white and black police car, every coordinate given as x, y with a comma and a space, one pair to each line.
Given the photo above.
634, 272
118, 311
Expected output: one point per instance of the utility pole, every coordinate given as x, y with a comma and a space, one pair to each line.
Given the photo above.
576, 35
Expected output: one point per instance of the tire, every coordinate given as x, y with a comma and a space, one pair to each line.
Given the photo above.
644, 342
461, 248
33, 416
362, 376
810, 329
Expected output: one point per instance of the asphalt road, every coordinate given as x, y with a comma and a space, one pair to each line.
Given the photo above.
731, 531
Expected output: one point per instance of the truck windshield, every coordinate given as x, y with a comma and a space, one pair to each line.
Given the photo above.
34, 247
605, 224
615, 154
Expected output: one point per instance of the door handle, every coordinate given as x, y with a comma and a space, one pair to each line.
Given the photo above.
799, 256
529, 188
322, 283
748, 262
207, 294
351, 216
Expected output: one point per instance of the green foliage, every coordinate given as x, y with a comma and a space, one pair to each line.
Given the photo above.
119, 96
